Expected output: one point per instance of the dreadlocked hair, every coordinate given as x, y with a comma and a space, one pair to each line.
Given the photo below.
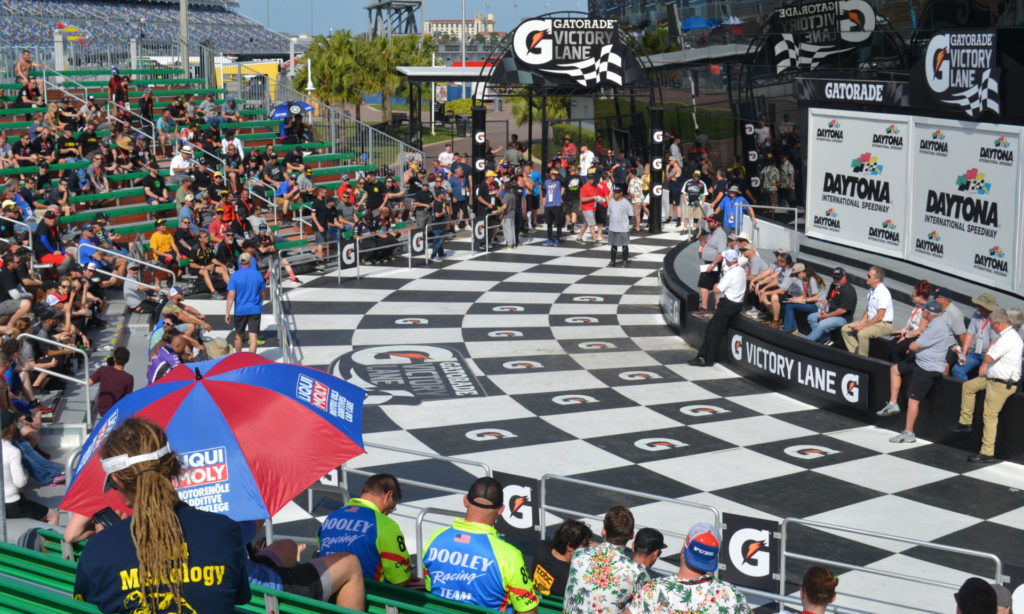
155, 528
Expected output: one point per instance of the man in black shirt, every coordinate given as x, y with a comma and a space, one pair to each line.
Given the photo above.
273, 172
23, 152
228, 250
840, 304
154, 187
233, 166
320, 223
293, 160
58, 195
375, 192
15, 301
88, 141
146, 105
203, 260
29, 97
486, 202
45, 146
183, 236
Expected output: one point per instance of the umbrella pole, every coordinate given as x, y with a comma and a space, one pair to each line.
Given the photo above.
268, 529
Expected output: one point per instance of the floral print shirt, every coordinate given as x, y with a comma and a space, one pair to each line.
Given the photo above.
602, 580
705, 595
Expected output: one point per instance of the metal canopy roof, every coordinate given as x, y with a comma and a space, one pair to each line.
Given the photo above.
700, 55
424, 74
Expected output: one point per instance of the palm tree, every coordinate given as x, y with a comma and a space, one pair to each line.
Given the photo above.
340, 69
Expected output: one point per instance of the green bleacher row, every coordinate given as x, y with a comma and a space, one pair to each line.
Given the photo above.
103, 83
104, 94
43, 582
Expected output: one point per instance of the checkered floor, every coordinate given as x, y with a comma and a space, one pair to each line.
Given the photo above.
582, 378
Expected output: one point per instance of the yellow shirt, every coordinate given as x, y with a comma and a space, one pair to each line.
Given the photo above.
162, 242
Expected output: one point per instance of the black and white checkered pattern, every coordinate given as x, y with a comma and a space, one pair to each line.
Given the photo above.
608, 398
982, 97
790, 54
607, 66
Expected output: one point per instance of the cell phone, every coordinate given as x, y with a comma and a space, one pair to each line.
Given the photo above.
106, 517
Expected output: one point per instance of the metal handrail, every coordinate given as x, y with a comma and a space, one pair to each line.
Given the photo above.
835, 609
625, 491
419, 532
284, 337
145, 263
60, 87
68, 378
998, 577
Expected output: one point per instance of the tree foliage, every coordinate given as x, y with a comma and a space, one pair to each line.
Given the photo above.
557, 107
347, 66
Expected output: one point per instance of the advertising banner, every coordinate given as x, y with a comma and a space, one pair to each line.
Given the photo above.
959, 72
965, 216
750, 554
831, 381
845, 91
858, 179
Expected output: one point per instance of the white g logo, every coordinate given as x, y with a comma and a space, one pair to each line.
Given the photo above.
656, 190
851, 387
755, 182
348, 254
737, 347
754, 560
480, 137
417, 242
480, 165
532, 42
658, 136
657, 164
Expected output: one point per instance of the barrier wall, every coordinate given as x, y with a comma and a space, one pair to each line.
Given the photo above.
830, 378
941, 193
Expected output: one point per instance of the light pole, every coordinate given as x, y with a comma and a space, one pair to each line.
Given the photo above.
462, 36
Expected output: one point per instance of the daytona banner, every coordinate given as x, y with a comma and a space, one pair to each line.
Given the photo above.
965, 200
858, 179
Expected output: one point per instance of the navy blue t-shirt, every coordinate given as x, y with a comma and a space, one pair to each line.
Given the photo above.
213, 578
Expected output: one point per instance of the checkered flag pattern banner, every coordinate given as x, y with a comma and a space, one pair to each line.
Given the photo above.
790, 54
983, 96
606, 66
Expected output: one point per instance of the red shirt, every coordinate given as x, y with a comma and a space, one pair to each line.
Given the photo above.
602, 190
586, 191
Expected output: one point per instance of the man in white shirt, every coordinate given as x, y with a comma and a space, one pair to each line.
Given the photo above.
998, 376
877, 318
181, 164
729, 289
446, 157
230, 138
586, 160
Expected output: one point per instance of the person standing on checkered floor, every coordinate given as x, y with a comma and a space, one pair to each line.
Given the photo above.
999, 377
731, 288
925, 366
709, 251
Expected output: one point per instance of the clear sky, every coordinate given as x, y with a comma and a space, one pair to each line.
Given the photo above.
293, 16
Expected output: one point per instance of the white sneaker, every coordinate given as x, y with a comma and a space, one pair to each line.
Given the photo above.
437, 259
889, 409
903, 437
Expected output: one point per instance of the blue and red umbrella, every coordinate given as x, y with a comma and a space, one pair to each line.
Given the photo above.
252, 434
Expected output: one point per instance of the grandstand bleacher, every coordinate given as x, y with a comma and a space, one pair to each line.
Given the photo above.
111, 23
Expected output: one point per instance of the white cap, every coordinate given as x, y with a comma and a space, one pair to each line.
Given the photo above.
186, 149
730, 255
175, 291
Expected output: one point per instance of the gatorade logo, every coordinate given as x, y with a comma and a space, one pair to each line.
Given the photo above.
851, 387
522, 364
412, 321
748, 552
658, 444
417, 242
633, 376
748, 129
489, 434
701, 411
656, 190
518, 510
479, 137
752, 155
809, 452
657, 164
480, 165
508, 308
504, 334
658, 136
755, 182
573, 399
597, 345
348, 254
478, 228
737, 347
581, 320
588, 299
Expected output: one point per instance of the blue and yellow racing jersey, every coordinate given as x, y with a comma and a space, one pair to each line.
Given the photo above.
468, 562
361, 529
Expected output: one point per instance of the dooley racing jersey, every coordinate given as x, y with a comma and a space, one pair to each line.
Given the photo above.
468, 562
361, 529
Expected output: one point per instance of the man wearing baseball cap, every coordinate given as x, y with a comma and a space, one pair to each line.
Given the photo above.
733, 207
730, 290
695, 587
836, 310
977, 338
696, 192
469, 563
925, 367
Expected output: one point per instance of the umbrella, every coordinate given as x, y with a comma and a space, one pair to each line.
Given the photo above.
287, 109
697, 23
252, 434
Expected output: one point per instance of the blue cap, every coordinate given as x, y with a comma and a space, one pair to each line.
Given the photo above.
702, 545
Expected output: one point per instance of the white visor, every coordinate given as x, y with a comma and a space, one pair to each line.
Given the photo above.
123, 461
